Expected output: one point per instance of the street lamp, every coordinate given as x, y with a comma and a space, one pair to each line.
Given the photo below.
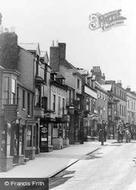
71, 110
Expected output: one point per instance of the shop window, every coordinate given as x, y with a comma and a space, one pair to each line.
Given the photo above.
44, 135
29, 136
34, 136
8, 138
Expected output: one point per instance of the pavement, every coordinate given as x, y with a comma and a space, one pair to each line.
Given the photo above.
49, 163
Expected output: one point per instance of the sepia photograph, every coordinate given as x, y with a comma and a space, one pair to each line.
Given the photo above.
67, 95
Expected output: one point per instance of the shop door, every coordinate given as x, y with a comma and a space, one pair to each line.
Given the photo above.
17, 142
44, 138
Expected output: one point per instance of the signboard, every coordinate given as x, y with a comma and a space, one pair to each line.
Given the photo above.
44, 130
24, 183
90, 92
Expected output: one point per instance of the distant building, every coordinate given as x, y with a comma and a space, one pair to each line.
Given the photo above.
117, 105
102, 103
131, 107
90, 99
99, 76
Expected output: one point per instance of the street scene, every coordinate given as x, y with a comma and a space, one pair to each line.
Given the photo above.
68, 95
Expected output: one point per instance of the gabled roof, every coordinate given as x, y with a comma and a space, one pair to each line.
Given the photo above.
31, 47
45, 56
70, 66
101, 87
59, 76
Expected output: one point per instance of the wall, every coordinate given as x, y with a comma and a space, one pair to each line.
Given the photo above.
58, 92
23, 111
102, 104
70, 79
131, 107
26, 67
47, 88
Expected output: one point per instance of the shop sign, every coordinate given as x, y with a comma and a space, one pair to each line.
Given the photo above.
44, 139
44, 130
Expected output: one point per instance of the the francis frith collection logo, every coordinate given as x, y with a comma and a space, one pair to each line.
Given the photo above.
106, 21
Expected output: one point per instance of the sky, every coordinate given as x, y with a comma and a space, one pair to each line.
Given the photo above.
68, 21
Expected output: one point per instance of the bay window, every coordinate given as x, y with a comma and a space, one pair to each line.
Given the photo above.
9, 89
13, 90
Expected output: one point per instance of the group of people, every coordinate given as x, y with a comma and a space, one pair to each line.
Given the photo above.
123, 131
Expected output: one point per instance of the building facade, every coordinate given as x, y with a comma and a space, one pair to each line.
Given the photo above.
131, 107
90, 99
117, 105
73, 79
58, 106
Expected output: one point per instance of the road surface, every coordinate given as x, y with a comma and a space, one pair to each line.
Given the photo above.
113, 167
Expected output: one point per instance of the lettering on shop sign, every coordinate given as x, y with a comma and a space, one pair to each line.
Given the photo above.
106, 21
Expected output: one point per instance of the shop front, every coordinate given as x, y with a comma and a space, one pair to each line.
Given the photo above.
90, 127
17, 141
30, 139
46, 130
61, 132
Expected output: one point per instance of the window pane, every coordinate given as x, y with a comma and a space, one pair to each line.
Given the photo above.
13, 85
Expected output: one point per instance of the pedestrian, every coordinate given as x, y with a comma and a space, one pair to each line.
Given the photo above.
127, 135
120, 131
101, 134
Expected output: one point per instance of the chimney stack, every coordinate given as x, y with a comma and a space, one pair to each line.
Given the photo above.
9, 50
57, 53
62, 50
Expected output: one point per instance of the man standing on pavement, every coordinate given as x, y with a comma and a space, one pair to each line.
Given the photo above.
101, 134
